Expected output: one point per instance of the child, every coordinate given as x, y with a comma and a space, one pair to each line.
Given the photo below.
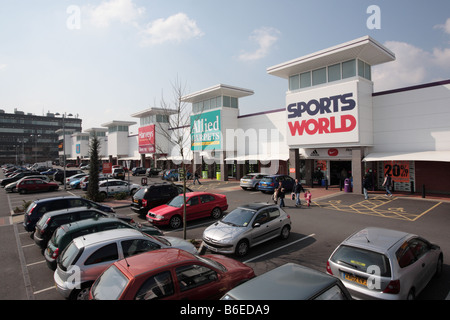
308, 197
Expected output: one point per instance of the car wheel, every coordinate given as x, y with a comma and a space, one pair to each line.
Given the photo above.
103, 195
81, 294
216, 213
22, 191
242, 248
133, 191
244, 188
175, 222
13, 189
285, 232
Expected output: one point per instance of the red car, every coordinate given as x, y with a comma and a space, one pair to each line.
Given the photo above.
198, 205
36, 185
170, 274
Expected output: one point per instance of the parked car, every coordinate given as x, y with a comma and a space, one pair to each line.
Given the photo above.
110, 187
152, 196
84, 182
67, 232
50, 221
251, 180
37, 208
118, 173
17, 176
245, 227
290, 281
138, 170
77, 176
198, 205
377, 263
93, 253
35, 185
59, 175
49, 172
170, 274
268, 184
12, 187
151, 172
172, 175
71, 165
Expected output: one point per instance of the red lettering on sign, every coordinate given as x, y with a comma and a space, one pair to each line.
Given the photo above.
322, 125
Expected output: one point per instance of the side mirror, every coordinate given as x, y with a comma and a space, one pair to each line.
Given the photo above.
256, 225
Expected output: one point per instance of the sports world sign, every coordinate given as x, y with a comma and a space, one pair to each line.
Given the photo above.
323, 116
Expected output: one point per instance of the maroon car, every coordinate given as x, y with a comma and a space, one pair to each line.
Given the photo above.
36, 185
171, 274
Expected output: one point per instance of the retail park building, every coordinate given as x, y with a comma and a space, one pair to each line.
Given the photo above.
333, 126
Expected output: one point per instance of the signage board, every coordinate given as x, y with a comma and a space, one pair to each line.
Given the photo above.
107, 167
399, 170
324, 115
146, 139
206, 131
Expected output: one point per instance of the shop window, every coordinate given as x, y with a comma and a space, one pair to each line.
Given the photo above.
334, 72
349, 69
319, 76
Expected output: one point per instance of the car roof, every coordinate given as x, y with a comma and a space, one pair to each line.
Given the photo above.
71, 210
81, 224
106, 236
288, 282
256, 205
151, 260
57, 198
377, 239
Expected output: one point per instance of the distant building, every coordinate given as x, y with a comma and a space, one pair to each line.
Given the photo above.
28, 138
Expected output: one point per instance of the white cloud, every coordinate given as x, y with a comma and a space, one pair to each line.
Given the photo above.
412, 66
176, 28
445, 26
123, 11
265, 38
3, 66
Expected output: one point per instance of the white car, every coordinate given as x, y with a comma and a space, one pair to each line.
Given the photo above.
112, 186
77, 176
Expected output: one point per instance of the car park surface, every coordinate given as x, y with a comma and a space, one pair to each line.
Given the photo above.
315, 233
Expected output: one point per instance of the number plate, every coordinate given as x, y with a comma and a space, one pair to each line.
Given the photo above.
352, 278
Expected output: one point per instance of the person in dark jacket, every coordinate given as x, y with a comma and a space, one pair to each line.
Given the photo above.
281, 192
297, 189
367, 185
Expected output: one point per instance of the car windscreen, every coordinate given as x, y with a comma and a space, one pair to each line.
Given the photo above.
239, 217
361, 259
110, 285
176, 202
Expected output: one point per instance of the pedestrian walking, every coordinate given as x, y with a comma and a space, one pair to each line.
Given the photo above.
387, 184
275, 196
296, 191
308, 197
281, 194
367, 185
196, 178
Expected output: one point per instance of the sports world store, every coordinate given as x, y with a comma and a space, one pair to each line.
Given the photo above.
333, 125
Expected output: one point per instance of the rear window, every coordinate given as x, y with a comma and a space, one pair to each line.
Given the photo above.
42, 221
266, 179
361, 259
110, 285
248, 177
140, 193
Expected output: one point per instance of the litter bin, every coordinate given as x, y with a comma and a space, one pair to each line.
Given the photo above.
347, 185
218, 175
204, 174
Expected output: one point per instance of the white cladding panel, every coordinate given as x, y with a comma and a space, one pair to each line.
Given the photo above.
412, 120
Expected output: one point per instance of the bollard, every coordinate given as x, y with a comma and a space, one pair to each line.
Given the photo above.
412, 187
423, 191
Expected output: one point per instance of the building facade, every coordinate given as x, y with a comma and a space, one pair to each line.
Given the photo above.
27, 138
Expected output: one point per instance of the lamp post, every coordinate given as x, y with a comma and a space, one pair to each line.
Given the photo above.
64, 143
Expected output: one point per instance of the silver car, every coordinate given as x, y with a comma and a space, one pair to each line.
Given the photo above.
377, 263
245, 227
251, 180
86, 257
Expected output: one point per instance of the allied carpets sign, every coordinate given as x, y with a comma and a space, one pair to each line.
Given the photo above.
325, 115
146, 139
206, 131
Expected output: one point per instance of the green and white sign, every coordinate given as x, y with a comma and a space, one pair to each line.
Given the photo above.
206, 131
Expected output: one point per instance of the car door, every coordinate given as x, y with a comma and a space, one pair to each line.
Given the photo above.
131, 247
193, 208
260, 227
207, 204
99, 260
156, 286
198, 282
424, 259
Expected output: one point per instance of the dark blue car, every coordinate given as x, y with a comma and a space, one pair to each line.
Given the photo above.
269, 183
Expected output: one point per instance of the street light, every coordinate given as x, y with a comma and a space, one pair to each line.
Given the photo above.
64, 142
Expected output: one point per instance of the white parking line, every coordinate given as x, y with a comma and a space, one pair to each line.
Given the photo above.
43, 290
35, 263
286, 245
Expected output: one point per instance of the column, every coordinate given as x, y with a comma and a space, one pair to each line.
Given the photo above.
294, 163
357, 170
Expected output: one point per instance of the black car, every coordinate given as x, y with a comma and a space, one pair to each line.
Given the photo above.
154, 195
151, 172
59, 175
51, 220
38, 207
17, 176
138, 170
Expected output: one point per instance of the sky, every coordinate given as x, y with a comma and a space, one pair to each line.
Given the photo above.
103, 60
